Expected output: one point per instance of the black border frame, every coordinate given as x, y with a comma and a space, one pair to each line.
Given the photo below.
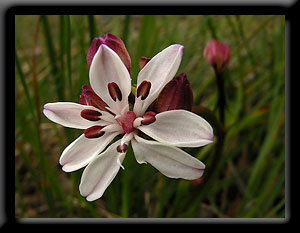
31, 9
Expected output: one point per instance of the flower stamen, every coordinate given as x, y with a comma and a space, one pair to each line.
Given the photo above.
122, 148
148, 118
143, 89
114, 91
90, 114
94, 132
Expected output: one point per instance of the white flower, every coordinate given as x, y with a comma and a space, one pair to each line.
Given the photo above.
111, 81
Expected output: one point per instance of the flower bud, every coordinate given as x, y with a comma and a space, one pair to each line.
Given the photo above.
143, 61
177, 94
217, 54
113, 42
89, 97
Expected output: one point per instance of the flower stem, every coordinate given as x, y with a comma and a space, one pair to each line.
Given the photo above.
221, 97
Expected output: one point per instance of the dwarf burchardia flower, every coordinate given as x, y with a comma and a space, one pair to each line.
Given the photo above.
104, 113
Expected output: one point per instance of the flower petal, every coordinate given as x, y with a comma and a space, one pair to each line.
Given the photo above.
179, 128
81, 151
98, 175
108, 70
169, 160
158, 71
68, 114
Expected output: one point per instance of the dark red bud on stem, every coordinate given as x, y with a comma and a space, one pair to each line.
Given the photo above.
217, 55
177, 94
113, 42
89, 97
143, 62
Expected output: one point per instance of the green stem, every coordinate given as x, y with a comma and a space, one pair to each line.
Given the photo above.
52, 55
126, 29
68, 47
92, 27
221, 96
220, 133
210, 172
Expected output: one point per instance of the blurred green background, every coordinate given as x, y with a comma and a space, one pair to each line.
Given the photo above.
248, 180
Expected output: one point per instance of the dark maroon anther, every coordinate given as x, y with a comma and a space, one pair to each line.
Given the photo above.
89, 97
94, 132
148, 118
114, 91
143, 89
90, 114
143, 62
122, 148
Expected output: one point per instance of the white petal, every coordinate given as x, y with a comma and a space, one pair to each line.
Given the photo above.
113, 128
179, 128
98, 175
169, 160
159, 71
107, 67
127, 137
81, 151
108, 117
68, 114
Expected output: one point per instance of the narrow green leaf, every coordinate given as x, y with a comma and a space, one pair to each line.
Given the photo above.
92, 27
144, 44
52, 56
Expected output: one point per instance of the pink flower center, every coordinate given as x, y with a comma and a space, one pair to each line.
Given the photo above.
126, 121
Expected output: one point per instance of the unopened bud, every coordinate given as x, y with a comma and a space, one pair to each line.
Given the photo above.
113, 42
177, 94
217, 54
143, 62
89, 97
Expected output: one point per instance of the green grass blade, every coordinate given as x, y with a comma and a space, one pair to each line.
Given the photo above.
92, 27
52, 56
144, 44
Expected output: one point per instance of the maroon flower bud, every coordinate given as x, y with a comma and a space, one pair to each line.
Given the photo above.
177, 94
143, 62
113, 42
217, 54
89, 97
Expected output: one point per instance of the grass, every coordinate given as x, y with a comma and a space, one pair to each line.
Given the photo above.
247, 181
